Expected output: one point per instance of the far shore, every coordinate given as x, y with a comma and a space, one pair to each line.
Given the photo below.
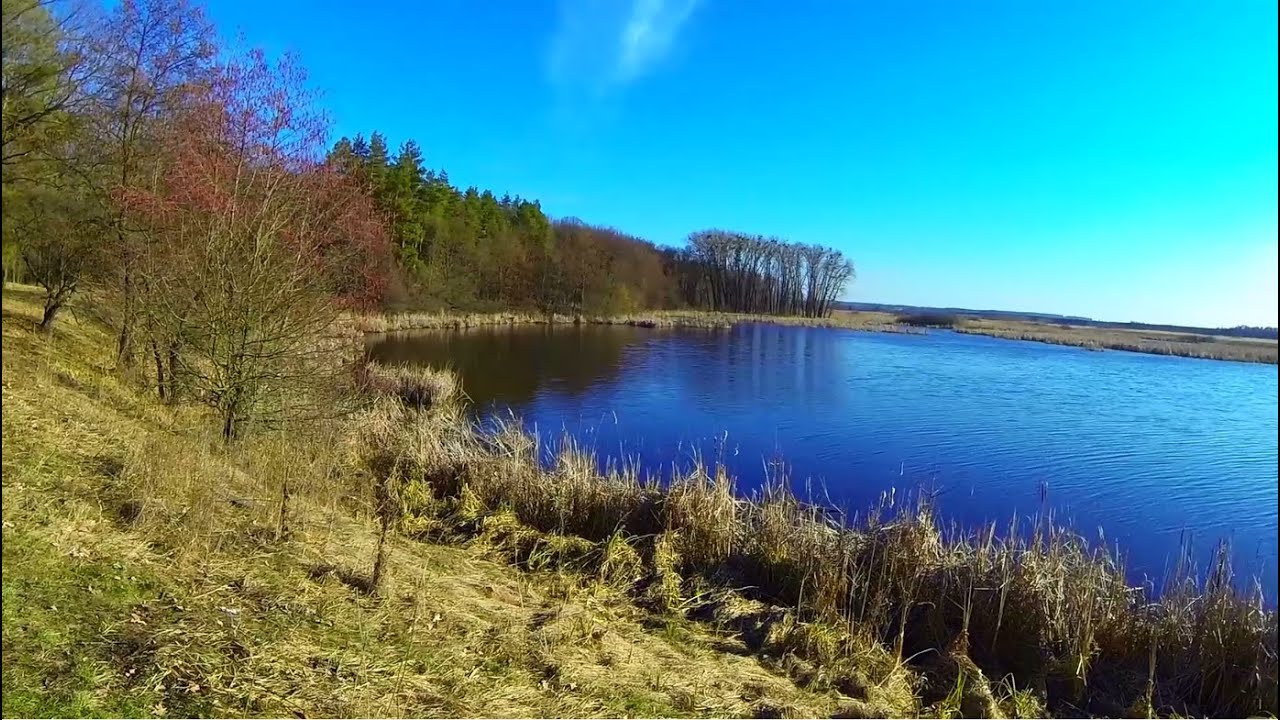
1155, 342
446, 320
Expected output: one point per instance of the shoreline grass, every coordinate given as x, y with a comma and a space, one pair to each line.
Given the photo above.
448, 320
150, 570
147, 572
1048, 611
1205, 347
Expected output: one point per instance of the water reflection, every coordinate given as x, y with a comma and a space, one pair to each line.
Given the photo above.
983, 422
508, 366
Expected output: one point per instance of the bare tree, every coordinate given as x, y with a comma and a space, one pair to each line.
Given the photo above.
45, 66
723, 270
155, 55
252, 242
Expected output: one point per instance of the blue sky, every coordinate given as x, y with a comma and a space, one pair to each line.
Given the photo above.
1101, 158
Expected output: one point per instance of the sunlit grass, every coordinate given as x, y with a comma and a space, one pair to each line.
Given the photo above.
148, 569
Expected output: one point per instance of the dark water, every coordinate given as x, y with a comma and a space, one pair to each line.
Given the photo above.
1143, 448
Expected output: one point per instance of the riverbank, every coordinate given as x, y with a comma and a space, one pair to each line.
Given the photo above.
149, 570
1208, 347
398, 322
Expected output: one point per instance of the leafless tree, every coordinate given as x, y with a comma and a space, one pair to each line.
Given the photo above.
154, 55
723, 270
251, 239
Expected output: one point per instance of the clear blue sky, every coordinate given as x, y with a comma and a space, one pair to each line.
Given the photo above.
1101, 158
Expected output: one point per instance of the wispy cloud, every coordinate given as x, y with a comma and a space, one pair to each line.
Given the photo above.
648, 34
600, 45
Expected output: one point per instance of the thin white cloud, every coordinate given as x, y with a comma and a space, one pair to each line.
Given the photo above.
600, 45
648, 34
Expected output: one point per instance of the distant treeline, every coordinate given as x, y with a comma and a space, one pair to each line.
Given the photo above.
471, 249
927, 319
909, 310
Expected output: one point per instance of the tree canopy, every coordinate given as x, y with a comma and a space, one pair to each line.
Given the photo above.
469, 248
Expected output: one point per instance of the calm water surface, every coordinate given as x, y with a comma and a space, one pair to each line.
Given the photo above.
1143, 448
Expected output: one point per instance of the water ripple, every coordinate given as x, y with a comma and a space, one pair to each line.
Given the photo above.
1144, 446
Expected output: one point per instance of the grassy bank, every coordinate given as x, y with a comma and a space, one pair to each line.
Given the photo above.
879, 322
146, 572
150, 570
1154, 342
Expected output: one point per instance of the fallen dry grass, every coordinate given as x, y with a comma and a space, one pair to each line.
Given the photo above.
965, 616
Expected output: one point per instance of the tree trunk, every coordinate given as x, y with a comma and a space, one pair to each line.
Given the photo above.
124, 343
228, 425
282, 530
174, 388
51, 309
380, 560
160, 386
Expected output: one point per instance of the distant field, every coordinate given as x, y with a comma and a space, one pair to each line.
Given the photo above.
1212, 347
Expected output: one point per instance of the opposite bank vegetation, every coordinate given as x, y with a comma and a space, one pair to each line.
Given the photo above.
395, 561
1207, 347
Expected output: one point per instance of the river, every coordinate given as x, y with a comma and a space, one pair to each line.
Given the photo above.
1144, 450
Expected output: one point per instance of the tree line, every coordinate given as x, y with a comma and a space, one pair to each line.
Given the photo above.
736, 272
469, 248
190, 187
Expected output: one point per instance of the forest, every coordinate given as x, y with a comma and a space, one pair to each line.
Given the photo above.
470, 249
127, 132
190, 190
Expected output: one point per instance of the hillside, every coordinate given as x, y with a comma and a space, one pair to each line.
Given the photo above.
194, 608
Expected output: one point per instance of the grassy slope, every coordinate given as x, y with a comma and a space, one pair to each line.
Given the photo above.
103, 618
144, 574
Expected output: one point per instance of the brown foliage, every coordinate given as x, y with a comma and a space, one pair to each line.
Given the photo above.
250, 240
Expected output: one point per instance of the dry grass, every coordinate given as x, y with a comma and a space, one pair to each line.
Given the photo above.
145, 574
874, 321
1144, 341
420, 389
148, 570
973, 617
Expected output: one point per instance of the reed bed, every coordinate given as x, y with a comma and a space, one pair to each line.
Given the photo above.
1033, 615
1204, 347
1193, 346
879, 322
